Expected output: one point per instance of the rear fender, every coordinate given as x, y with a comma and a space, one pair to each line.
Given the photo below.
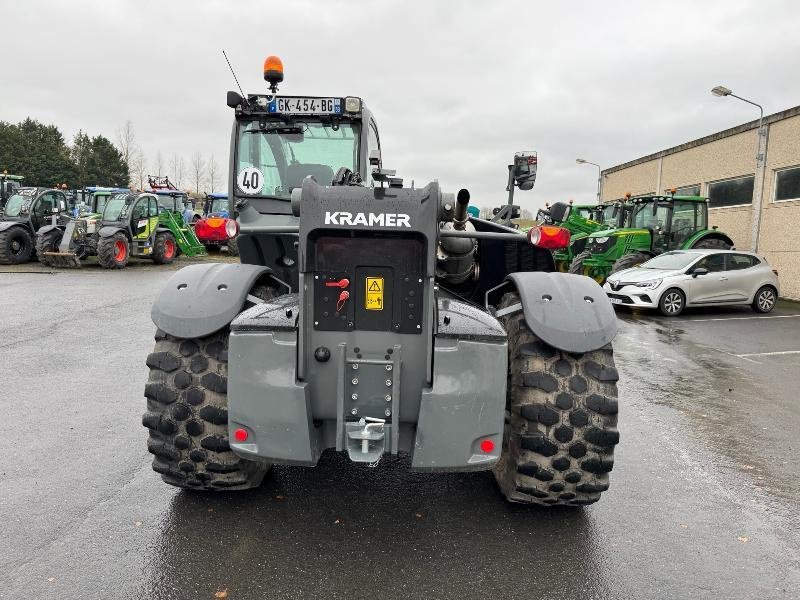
6, 225
48, 229
705, 235
569, 312
109, 230
201, 299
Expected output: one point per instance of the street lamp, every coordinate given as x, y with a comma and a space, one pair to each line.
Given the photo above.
761, 162
582, 161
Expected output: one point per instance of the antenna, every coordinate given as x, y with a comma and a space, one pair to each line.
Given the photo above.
234, 76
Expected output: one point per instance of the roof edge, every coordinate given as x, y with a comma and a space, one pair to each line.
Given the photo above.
778, 116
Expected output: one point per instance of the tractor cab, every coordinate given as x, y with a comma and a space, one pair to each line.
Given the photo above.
91, 200
216, 205
277, 141
8, 185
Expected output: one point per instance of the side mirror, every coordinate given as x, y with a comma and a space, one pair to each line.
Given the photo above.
699, 271
559, 212
525, 164
234, 99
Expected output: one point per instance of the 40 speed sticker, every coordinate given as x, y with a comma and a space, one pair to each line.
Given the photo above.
250, 180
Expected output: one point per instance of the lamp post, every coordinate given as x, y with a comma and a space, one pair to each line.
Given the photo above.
582, 161
761, 162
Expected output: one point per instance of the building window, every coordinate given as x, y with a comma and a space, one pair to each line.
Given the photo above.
787, 184
731, 192
688, 190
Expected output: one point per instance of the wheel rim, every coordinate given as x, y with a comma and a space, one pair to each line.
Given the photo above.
17, 247
766, 300
673, 303
169, 249
120, 252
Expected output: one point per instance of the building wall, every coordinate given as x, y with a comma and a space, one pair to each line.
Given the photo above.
726, 158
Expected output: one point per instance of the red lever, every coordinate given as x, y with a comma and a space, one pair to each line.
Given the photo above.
342, 299
342, 283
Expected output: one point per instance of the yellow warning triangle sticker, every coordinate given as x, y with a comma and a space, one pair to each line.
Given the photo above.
374, 286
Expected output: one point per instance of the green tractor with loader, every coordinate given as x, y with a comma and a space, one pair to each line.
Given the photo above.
141, 225
375, 318
653, 224
581, 220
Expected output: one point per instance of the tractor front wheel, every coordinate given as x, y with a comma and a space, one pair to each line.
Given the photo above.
48, 242
576, 266
113, 252
233, 246
561, 423
165, 248
629, 261
16, 246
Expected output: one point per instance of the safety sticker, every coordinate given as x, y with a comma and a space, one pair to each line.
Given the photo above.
374, 297
250, 180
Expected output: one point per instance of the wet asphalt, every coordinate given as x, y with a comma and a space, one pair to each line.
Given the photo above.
704, 499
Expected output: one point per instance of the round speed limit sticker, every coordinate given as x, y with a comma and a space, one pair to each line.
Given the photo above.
250, 180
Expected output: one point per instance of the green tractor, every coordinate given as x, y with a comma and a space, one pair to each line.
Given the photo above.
652, 225
132, 224
581, 220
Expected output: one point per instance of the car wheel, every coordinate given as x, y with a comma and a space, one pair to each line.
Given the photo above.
765, 299
672, 302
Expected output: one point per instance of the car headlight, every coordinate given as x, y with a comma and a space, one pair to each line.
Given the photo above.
648, 285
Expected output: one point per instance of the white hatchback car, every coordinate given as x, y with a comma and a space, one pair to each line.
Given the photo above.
682, 279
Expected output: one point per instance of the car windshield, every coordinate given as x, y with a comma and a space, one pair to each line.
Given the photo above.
14, 205
117, 207
671, 261
282, 160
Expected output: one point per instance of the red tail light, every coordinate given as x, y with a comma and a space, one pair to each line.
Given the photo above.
549, 237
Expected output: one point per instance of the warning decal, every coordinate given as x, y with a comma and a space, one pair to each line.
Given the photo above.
373, 300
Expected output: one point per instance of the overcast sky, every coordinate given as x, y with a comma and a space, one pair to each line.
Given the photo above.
457, 87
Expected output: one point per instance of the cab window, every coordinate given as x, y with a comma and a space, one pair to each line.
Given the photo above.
152, 207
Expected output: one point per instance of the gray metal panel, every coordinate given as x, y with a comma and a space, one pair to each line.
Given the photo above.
265, 397
201, 299
569, 312
465, 405
109, 230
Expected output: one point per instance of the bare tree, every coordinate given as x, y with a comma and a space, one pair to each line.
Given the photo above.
526, 214
138, 167
198, 171
486, 212
213, 173
176, 167
126, 142
159, 164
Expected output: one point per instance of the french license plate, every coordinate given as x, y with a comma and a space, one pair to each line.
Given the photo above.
615, 300
306, 106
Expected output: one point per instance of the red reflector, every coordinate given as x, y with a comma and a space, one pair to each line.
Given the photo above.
549, 237
487, 446
240, 435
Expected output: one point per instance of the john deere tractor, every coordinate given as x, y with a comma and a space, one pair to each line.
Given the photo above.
142, 225
656, 224
376, 318
580, 220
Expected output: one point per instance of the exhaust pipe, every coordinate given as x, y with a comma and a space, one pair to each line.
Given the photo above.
460, 216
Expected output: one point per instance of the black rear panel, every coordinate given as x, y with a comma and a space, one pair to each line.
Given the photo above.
368, 281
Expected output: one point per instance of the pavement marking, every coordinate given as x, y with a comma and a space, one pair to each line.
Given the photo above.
780, 353
742, 318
